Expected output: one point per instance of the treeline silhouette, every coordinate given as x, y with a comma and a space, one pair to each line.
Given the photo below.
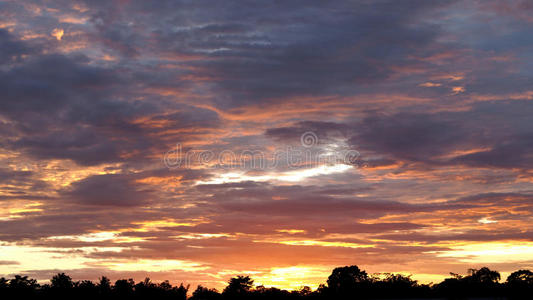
348, 282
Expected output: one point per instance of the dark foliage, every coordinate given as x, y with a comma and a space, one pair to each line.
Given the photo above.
348, 282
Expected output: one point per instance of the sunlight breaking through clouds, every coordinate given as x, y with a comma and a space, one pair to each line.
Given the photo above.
495, 252
289, 176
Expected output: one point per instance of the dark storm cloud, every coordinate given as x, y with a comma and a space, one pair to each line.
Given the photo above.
21, 185
60, 107
11, 49
498, 132
309, 202
514, 154
66, 107
109, 189
52, 224
325, 131
47, 83
11, 176
317, 206
308, 52
494, 198
190, 117
252, 51
501, 127
118, 37
410, 136
68, 217
83, 147
98, 201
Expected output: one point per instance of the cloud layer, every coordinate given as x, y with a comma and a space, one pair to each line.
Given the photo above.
432, 100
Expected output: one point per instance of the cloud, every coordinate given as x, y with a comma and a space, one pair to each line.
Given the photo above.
441, 138
110, 189
274, 59
12, 49
60, 107
85, 123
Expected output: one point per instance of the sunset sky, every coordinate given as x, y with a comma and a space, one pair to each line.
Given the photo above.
198, 140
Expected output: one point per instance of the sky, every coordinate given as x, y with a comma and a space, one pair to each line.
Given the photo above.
198, 140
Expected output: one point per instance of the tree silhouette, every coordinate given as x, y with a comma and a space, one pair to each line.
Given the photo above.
347, 282
61, 281
104, 286
522, 277
484, 275
22, 283
520, 283
4, 284
86, 284
305, 291
238, 286
398, 284
398, 281
176, 292
204, 293
124, 287
22, 286
87, 288
478, 282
